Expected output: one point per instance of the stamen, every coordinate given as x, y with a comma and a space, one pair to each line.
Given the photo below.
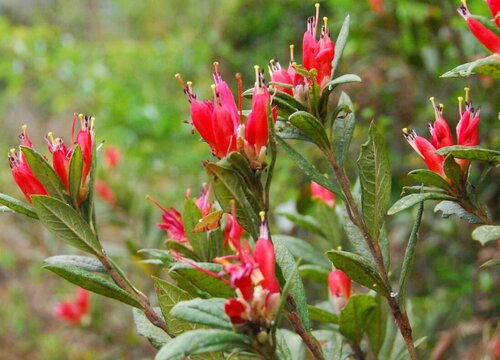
24, 128
325, 23
214, 91
240, 96
179, 79
441, 108
156, 203
256, 67
190, 86
50, 136
466, 89
92, 121
317, 5
460, 101
73, 128
262, 215
216, 67
434, 107
291, 53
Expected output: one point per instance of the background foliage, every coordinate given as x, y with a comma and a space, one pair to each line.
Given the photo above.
116, 60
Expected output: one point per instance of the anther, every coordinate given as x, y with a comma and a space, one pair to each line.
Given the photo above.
262, 215
216, 67
291, 53
466, 89
190, 86
179, 79
434, 107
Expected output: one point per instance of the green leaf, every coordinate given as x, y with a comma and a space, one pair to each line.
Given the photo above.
340, 43
75, 174
490, 263
191, 215
290, 345
208, 285
376, 325
65, 223
240, 164
169, 295
428, 177
156, 336
343, 129
209, 312
17, 206
471, 153
353, 320
486, 233
162, 255
309, 170
413, 199
449, 208
182, 249
453, 171
45, 173
375, 176
202, 341
287, 265
318, 314
409, 257
229, 186
93, 282
486, 66
332, 84
359, 269
302, 249
314, 273
285, 130
83, 262
311, 127
306, 222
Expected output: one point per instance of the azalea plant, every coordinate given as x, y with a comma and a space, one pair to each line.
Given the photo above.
230, 286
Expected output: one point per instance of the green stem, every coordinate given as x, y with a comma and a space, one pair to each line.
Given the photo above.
355, 216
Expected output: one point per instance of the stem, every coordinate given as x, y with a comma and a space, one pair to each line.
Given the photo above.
358, 353
355, 216
470, 207
295, 321
152, 316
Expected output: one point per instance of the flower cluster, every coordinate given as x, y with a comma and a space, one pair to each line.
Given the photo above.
75, 310
61, 155
466, 130
486, 36
316, 54
221, 124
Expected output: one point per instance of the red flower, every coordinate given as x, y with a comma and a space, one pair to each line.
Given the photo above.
376, 5
488, 38
340, 288
105, 192
467, 135
203, 202
266, 259
322, 194
318, 54
61, 156
280, 75
74, 311
112, 157
172, 222
494, 6
233, 232
85, 138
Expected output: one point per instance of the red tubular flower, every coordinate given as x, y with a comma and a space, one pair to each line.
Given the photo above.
74, 311
340, 288
256, 129
85, 138
112, 156
172, 222
105, 192
426, 150
494, 6
264, 256
322, 194
318, 54
280, 75
233, 232
61, 156
235, 309
203, 202
485, 36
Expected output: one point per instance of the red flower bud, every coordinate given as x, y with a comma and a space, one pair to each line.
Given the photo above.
61, 156
340, 287
24, 177
264, 255
74, 311
322, 194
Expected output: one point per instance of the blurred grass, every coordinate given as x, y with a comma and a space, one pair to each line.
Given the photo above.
117, 60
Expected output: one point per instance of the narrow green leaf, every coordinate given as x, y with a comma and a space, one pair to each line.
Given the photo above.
169, 295
287, 265
409, 257
353, 320
377, 325
471, 153
191, 215
209, 286
375, 176
202, 341
17, 206
240, 164
359, 269
430, 178
486, 66
83, 262
344, 79
229, 186
160, 254
302, 249
285, 130
209, 312
182, 249
343, 129
449, 208
65, 223
486, 233
306, 222
294, 103
75, 174
490, 263
318, 314
311, 127
156, 336
340, 44
309, 170
44, 173
413, 199
93, 282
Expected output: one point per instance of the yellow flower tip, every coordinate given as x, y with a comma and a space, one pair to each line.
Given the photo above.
325, 21
179, 79
405, 131
12, 151
262, 215
317, 5
24, 127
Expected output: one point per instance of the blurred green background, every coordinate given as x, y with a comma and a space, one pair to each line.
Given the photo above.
117, 60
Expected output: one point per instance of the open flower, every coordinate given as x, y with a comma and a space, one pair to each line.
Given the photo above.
75, 310
320, 193
466, 130
340, 288
485, 36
